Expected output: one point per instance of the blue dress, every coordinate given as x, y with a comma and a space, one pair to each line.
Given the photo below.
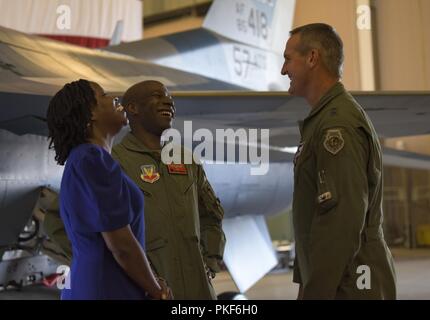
97, 196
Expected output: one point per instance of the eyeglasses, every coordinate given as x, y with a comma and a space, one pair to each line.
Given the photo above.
116, 102
117, 105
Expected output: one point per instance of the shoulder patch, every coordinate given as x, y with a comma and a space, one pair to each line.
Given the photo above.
334, 141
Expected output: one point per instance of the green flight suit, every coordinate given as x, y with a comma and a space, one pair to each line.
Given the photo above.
337, 204
54, 228
183, 219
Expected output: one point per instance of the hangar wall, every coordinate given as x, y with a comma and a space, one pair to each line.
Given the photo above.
403, 61
403, 33
339, 14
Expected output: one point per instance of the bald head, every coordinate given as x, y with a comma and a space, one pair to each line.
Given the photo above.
140, 91
149, 106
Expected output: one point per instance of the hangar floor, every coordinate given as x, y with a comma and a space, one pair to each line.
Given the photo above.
413, 279
412, 266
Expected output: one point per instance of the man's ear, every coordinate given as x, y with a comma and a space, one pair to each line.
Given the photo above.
313, 57
131, 109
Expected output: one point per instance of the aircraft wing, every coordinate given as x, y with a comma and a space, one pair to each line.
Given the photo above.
393, 114
33, 68
36, 65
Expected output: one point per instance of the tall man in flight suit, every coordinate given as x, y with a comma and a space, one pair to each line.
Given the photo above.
337, 205
183, 217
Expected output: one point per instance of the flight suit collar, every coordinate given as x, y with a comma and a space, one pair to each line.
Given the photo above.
332, 93
301, 124
131, 143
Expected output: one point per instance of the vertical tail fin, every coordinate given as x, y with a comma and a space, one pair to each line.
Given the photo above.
240, 257
261, 23
117, 33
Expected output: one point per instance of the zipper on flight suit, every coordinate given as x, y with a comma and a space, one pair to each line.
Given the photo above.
178, 257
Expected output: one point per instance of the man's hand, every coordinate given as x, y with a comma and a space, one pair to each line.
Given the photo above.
300, 294
166, 292
210, 274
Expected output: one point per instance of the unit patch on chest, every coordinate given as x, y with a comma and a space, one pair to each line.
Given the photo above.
149, 173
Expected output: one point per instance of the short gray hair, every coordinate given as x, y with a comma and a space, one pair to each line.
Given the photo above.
323, 37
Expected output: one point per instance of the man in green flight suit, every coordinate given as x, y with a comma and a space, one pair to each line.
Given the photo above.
184, 238
183, 217
337, 205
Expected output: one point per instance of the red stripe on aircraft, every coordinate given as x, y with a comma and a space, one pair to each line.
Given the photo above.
89, 42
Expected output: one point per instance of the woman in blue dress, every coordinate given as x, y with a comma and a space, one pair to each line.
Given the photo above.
102, 209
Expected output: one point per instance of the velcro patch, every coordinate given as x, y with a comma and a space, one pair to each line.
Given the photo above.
177, 168
149, 173
324, 197
334, 141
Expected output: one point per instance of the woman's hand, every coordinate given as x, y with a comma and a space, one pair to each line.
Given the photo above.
129, 254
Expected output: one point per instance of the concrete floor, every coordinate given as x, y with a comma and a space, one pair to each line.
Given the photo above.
412, 267
413, 279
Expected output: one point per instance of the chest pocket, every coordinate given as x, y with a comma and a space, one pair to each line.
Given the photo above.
180, 189
147, 194
187, 208
188, 188
184, 182
189, 194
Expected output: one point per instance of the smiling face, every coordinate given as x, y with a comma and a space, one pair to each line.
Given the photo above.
108, 115
155, 107
295, 67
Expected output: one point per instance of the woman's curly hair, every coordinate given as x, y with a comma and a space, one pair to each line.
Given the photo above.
68, 116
